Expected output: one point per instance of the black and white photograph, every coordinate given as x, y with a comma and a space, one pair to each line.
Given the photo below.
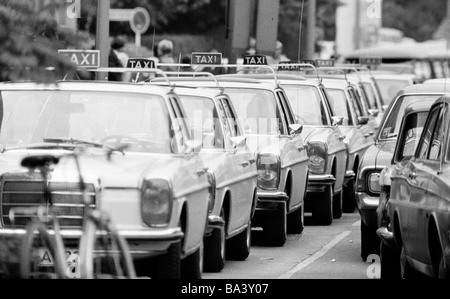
222, 147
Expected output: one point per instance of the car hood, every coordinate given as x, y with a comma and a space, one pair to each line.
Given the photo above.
266, 143
123, 171
380, 155
316, 133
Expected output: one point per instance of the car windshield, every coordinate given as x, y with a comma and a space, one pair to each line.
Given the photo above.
391, 124
339, 104
203, 119
390, 87
306, 104
256, 110
138, 121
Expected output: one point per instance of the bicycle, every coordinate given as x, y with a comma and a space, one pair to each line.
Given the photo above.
97, 229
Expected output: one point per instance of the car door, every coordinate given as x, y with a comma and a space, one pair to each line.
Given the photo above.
293, 159
418, 175
241, 172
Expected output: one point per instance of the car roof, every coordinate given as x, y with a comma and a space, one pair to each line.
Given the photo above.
339, 83
419, 106
225, 82
194, 91
433, 88
87, 86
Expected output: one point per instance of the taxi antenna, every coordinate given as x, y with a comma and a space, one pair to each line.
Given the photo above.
300, 31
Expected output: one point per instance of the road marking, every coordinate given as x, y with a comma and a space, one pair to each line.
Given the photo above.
315, 256
357, 223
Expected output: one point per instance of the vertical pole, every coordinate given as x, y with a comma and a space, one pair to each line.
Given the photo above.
311, 30
102, 36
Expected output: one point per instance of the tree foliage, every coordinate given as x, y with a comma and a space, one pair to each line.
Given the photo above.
29, 43
417, 19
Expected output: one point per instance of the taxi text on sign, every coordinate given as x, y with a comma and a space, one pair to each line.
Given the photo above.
255, 60
82, 58
141, 63
206, 58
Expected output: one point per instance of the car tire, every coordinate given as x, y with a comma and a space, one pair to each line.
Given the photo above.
337, 205
167, 266
275, 227
215, 249
349, 201
192, 265
238, 247
296, 221
370, 242
323, 207
390, 263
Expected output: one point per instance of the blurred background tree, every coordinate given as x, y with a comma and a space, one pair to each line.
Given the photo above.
29, 43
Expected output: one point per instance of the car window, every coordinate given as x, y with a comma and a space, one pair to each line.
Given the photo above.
412, 131
307, 104
141, 121
371, 97
204, 120
428, 134
257, 110
391, 124
437, 140
230, 118
357, 107
287, 112
390, 87
339, 104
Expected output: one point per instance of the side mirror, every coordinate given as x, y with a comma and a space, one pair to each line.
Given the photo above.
363, 120
239, 141
373, 112
337, 121
193, 146
296, 129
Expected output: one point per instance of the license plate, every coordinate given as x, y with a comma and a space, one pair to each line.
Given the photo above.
72, 260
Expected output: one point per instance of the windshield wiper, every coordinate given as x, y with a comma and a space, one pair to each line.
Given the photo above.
75, 141
33, 146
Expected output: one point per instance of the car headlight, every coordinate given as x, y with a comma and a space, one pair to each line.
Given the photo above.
212, 191
318, 155
269, 169
373, 183
156, 203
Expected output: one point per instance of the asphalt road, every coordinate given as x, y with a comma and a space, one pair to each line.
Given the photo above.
320, 252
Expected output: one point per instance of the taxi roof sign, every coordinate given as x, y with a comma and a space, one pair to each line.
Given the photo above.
206, 58
141, 63
255, 60
295, 65
82, 58
370, 61
325, 62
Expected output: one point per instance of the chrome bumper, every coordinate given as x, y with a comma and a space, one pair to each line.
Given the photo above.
366, 202
349, 175
386, 236
318, 182
140, 242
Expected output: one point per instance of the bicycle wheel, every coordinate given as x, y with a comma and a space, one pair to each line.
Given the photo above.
37, 237
104, 253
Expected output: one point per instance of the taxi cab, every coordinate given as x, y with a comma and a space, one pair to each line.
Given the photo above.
379, 155
409, 134
418, 206
231, 168
327, 151
153, 185
359, 135
274, 138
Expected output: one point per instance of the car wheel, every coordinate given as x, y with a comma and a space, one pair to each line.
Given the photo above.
167, 266
370, 242
349, 200
390, 263
296, 221
323, 207
337, 205
238, 247
214, 253
275, 228
192, 265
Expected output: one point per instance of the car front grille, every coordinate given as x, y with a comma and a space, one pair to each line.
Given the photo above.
67, 199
